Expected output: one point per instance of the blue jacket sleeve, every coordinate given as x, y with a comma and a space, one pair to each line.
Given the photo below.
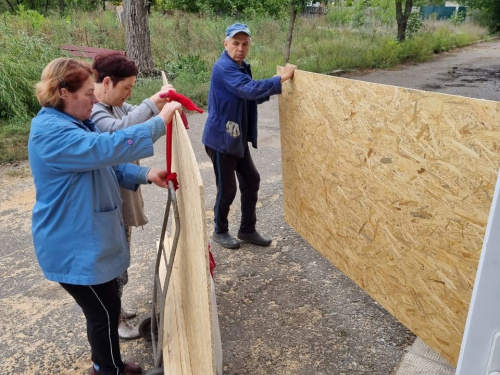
66, 147
130, 175
243, 86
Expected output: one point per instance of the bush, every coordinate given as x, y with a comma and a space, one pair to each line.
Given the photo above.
185, 46
21, 63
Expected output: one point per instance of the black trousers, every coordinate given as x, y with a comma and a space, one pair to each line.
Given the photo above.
101, 307
227, 168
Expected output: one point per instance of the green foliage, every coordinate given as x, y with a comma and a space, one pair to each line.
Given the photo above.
13, 137
47, 6
186, 45
489, 12
21, 63
363, 13
32, 17
249, 8
414, 25
457, 18
340, 15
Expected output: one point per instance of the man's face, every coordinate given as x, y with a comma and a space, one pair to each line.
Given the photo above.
237, 47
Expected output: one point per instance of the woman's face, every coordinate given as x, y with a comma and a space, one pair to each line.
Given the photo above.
116, 95
79, 103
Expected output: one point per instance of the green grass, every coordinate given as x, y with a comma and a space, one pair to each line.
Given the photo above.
185, 46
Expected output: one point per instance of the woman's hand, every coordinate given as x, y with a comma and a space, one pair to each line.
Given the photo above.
168, 111
158, 100
158, 177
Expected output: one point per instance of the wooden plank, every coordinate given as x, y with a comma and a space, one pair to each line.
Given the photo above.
393, 186
173, 330
191, 278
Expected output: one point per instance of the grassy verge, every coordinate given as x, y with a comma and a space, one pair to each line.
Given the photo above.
186, 46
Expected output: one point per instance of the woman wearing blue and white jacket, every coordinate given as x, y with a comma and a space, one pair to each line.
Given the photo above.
77, 222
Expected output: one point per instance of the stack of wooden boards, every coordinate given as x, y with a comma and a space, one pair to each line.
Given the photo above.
191, 344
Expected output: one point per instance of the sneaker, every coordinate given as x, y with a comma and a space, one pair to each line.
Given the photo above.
255, 238
127, 314
226, 240
127, 331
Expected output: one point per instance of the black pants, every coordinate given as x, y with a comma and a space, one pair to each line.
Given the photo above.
101, 307
226, 169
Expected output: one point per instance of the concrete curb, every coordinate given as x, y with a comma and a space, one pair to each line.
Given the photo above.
420, 359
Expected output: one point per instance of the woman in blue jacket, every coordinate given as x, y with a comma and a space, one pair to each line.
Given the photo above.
77, 222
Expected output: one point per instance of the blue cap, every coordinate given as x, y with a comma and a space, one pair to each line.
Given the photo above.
237, 28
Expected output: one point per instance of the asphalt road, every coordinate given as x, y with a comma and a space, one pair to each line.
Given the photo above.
283, 310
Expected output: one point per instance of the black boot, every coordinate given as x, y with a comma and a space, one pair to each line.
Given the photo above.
226, 240
255, 238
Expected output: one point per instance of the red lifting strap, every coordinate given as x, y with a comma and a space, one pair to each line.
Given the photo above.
188, 104
212, 261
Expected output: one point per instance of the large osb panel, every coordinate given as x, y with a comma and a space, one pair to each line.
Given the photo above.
189, 303
394, 187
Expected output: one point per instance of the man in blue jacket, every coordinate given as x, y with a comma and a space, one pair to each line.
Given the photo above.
231, 124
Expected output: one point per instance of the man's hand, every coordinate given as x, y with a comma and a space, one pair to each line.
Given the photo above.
288, 72
158, 177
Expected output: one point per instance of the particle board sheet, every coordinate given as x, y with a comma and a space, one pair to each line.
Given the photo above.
190, 351
393, 186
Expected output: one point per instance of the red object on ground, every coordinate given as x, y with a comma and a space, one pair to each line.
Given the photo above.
212, 261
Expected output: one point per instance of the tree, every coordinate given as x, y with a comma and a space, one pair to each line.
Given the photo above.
137, 34
402, 17
295, 6
289, 35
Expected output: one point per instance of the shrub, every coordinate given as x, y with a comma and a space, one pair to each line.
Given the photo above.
21, 63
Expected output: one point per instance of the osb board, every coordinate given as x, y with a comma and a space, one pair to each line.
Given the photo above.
191, 283
394, 187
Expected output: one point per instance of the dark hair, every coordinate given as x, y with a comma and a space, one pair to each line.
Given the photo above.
63, 72
114, 65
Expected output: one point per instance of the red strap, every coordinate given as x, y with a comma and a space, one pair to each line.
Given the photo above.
184, 100
212, 261
188, 104
170, 176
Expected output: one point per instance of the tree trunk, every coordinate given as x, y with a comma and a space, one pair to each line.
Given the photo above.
402, 17
289, 35
62, 6
138, 42
11, 6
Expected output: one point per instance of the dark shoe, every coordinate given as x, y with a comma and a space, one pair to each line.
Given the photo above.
129, 369
226, 240
255, 238
132, 369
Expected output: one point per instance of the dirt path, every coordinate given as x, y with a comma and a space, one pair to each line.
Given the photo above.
283, 310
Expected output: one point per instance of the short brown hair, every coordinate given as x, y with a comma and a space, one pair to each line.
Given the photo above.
63, 72
114, 65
